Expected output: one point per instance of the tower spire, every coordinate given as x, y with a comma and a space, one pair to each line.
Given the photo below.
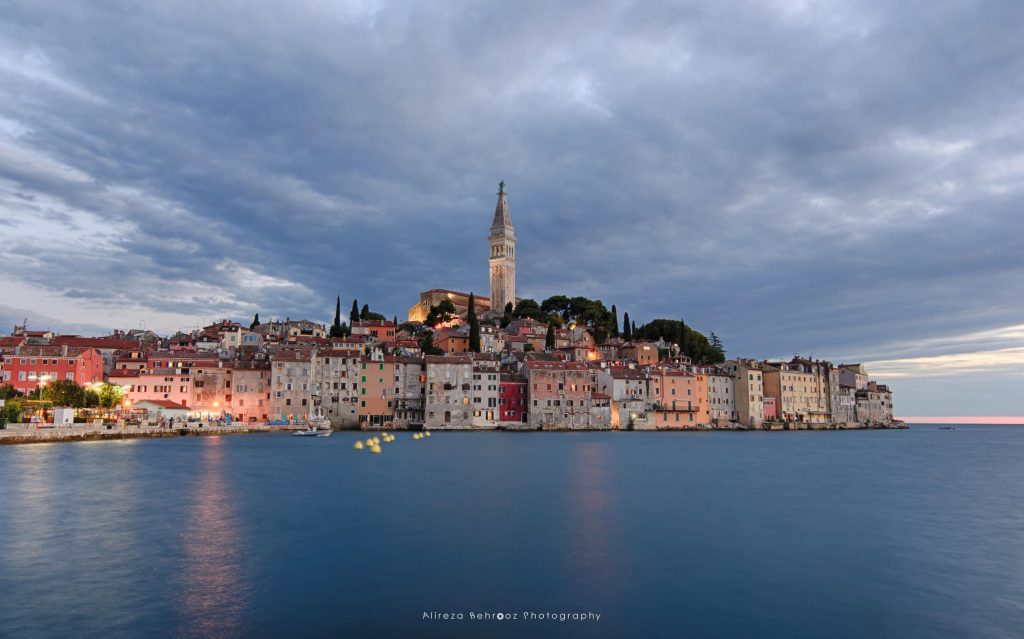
502, 242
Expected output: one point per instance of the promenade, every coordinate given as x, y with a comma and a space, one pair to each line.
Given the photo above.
30, 434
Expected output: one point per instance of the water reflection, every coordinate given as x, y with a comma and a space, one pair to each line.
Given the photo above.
216, 593
591, 495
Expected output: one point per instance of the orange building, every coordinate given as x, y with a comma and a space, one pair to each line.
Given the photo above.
378, 387
680, 399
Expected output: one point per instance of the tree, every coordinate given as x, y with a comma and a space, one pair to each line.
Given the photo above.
255, 322
627, 330
506, 318
632, 330
427, 345
474, 326
443, 312
353, 315
680, 339
559, 304
8, 391
12, 410
615, 321
110, 395
337, 329
717, 353
529, 309
64, 392
365, 313
394, 320
549, 339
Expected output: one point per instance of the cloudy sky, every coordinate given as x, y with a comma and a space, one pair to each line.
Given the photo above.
839, 179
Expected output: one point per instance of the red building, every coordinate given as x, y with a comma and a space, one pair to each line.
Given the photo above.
770, 410
512, 399
29, 366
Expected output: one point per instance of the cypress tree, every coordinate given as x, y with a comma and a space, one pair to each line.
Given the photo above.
627, 331
549, 339
365, 313
336, 329
615, 321
474, 326
353, 315
506, 319
681, 337
632, 329
255, 322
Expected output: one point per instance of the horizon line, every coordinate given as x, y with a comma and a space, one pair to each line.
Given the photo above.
964, 420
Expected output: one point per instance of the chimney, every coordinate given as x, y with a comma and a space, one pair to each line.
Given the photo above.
63, 350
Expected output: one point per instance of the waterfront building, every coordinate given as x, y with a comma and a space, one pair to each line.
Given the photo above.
874, 404
721, 397
250, 394
502, 261
449, 392
771, 410
336, 372
560, 395
485, 393
800, 389
377, 391
842, 400
291, 388
410, 391
30, 365
749, 391
513, 400
211, 388
627, 390
680, 399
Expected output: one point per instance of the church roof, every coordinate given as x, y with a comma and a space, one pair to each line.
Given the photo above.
502, 218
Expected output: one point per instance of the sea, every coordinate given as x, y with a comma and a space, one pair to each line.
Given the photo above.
883, 533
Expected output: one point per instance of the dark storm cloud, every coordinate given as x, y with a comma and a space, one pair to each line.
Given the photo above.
839, 178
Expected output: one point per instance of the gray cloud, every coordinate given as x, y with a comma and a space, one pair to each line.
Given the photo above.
837, 179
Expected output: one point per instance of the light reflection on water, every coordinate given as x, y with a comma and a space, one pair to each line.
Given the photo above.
215, 595
590, 547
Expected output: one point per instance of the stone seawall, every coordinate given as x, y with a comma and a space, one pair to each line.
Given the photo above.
29, 434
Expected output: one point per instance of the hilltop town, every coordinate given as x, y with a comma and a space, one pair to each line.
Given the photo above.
457, 362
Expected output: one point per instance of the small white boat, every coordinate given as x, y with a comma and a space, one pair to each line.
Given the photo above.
313, 432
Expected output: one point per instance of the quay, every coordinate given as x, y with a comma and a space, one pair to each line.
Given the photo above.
30, 434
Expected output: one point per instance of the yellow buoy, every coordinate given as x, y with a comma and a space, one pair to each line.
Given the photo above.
375, 450
426, 434
359, 445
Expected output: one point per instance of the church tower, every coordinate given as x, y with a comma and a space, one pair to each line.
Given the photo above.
503, 255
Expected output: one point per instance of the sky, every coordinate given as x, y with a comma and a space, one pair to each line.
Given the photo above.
841, 180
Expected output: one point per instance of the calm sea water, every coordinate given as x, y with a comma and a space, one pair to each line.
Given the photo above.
916, 533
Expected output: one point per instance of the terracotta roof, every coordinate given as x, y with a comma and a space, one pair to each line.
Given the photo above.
95, 342
163, 403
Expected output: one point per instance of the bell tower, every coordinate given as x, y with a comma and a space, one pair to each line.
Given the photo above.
503, 255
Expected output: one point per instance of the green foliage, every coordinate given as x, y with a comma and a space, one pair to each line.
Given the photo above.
64, 392
427, 345
255, 322
506, 318
8, 392
365, 313
529, 309
615, 321
109, 395
528, 348
440, 313
337, 328
627, 330
691, 343
474, 326
549, 339
353, 315
12, 410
